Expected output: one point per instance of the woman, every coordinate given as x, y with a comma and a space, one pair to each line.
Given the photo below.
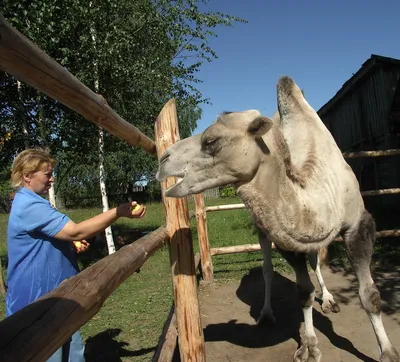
40, 239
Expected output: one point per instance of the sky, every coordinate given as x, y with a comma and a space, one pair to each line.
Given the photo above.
320, 44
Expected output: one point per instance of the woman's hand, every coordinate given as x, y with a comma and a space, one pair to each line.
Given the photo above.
81, 246
131, 210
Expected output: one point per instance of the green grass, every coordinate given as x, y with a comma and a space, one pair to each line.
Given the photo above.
131, 320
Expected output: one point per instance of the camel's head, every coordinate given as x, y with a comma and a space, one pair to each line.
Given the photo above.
232, 149
227, 152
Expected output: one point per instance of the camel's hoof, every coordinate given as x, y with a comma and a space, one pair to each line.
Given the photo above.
390, 355
307, 354
329, 305
301, 355
266, 320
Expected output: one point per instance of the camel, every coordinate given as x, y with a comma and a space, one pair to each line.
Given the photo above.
300, 191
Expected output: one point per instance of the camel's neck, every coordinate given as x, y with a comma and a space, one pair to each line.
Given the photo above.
283, 207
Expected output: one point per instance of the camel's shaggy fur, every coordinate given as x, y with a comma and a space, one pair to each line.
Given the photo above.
297, 186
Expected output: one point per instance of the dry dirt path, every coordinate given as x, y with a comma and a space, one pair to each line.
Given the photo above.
229, 312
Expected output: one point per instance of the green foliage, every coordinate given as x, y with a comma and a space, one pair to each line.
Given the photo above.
228, 191
141, 52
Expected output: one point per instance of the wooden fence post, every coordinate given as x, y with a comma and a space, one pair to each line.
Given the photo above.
204, 244
190, 331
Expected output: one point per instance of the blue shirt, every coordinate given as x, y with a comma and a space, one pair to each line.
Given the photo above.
37, 262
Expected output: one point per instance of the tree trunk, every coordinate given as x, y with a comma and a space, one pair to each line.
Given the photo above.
102, 174
43, 135
22, 116
104, 197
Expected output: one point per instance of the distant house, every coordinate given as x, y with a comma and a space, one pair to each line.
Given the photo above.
365, 115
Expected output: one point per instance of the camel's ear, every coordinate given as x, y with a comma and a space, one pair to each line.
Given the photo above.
290, 98
259, 126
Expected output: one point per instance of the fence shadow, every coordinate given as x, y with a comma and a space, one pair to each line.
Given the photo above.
386, 278
104, 347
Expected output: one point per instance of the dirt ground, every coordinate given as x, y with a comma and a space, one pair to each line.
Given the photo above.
229, 312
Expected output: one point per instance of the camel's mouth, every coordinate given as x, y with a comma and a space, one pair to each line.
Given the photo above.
173, 181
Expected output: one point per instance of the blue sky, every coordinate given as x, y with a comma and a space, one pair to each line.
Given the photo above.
319, 44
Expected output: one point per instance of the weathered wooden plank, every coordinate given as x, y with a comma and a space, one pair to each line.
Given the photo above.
35, 332
378, 153
167, 341
204, 244
225, 207
246, 248
27, 62
190, 331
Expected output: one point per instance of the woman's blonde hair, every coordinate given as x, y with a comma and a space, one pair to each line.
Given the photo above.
27, 162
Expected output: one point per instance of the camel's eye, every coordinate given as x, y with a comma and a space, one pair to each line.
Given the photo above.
209, 142
210, 145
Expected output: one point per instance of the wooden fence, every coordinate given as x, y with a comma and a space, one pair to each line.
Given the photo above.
38, 330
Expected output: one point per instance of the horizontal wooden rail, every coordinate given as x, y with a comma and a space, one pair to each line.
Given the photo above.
248, 248
225, 207
236, 249
378, 153
35, 332
242, 206
24, 60
381, 192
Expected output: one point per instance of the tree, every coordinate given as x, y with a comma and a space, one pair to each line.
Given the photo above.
146, 52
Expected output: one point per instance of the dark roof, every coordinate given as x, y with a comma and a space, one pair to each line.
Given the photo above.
369, 65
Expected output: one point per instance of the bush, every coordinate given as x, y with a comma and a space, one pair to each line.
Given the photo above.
228, 191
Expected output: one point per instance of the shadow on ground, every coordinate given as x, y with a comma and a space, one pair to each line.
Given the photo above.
387, 279
104, 347
288, 315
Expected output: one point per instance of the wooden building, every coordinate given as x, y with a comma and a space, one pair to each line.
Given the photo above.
365, 115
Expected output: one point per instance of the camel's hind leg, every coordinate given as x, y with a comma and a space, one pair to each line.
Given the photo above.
308, 351
328, 303
359, 243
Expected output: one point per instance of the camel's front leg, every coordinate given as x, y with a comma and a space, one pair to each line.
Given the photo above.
267, 316
328, 303
308, 351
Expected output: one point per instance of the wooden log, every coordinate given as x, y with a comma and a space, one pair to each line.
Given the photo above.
247, 248
323, 256
190, 331
28, 63
381, 192
387, 233
167, 341
204, 244
35, 332
225, 207
363, 193
3, 288
378, 153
